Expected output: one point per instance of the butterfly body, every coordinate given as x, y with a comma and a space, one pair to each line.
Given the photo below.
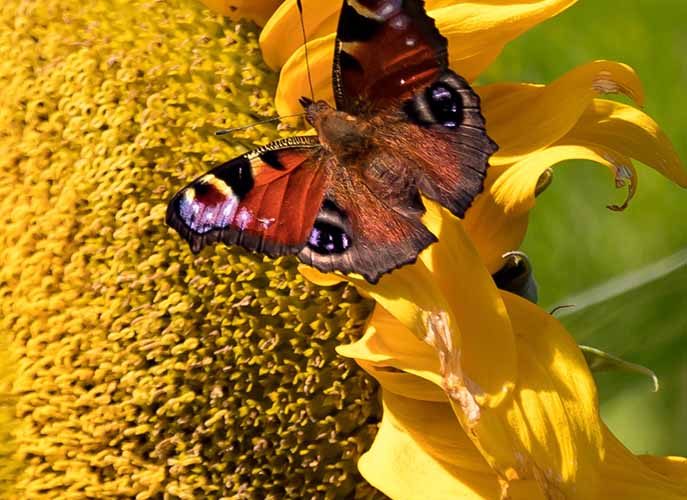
349, 199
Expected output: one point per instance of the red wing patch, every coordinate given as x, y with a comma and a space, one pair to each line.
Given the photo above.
265, 201
385, 51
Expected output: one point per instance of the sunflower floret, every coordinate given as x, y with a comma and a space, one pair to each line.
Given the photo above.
145, 370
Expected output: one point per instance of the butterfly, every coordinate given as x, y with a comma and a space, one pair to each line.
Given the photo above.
349, 199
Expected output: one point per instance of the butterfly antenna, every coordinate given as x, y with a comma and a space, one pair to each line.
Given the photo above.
236, 129
305, 47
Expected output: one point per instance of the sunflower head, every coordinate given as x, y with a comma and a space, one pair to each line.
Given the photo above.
143, 370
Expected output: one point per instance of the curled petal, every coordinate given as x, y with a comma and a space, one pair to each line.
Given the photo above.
524, 118
630, 132
255, 10
515, 189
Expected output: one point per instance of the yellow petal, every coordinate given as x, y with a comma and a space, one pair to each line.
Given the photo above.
421, 439
293, 79
436, 283
549, 430
524, 118
282, 35
400, 362
608, 133
255, 10
552, 420
630, 132
504, 231
407, 384
555, 414
399, 466
320, 278
476, 33
515, 188
671, 467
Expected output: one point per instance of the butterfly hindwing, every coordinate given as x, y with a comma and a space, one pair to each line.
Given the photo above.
385, 50
265, 200
356, 231
445, 118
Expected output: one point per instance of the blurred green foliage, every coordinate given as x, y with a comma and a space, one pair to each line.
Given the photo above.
646, 325
575, 242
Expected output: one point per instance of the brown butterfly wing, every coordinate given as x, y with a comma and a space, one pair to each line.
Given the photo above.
265, 201
443, 132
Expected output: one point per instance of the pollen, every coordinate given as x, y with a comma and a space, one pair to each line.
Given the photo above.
132, 367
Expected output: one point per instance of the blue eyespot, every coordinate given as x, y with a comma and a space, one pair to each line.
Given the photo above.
328, 239
445, 104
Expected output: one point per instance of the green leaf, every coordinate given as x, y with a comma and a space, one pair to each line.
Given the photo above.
642, 318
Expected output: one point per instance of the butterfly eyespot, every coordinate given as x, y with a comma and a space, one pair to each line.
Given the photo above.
327, 239
445, 104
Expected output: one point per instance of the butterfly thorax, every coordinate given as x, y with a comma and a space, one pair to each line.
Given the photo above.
342, 134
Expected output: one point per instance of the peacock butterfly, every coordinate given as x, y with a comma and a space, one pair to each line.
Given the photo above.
349, 198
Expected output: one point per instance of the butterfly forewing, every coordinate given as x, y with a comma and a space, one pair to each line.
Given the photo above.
385, 50
266, 200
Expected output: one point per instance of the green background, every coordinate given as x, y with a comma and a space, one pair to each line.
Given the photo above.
575, 243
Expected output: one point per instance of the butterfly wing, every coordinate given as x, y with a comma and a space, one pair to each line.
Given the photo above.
391, 65
265, 200
357, 231
385, 51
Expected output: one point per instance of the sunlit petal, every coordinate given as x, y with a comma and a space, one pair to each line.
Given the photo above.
523, 118
549, 430
515, 188
630, 132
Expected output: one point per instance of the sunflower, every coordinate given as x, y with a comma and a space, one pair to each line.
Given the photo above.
135, 369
